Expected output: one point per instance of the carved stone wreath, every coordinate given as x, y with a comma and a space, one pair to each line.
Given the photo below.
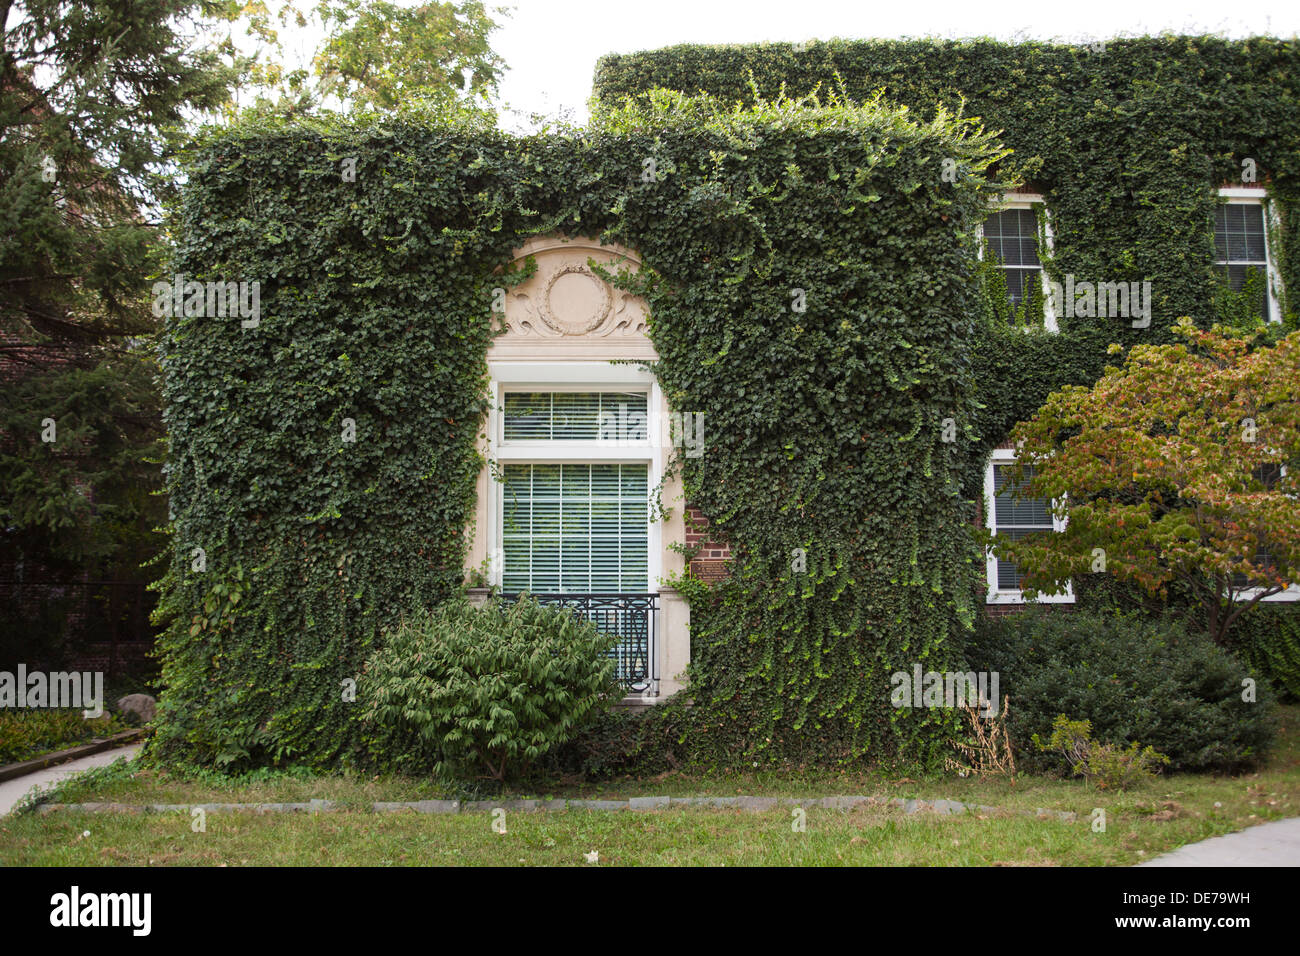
570, 324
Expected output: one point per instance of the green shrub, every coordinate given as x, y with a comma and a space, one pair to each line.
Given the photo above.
1132, 679
493, 688
639, 741
1107, 766
29, 733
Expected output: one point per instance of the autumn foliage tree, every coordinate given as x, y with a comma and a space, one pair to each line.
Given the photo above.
1180, 468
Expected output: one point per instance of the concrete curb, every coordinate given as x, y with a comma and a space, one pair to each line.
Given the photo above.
21, 769
949, 807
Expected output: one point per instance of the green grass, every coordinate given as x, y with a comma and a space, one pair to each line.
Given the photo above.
1155, 818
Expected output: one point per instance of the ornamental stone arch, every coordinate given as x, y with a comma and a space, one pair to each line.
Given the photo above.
567, 311
563, 329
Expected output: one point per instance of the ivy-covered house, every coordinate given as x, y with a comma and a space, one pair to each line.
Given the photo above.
732, 375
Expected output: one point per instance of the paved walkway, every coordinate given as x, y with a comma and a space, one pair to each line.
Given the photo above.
11, 791
1269, 844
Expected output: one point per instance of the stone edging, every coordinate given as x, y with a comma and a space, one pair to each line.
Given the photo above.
635, 803
22, 768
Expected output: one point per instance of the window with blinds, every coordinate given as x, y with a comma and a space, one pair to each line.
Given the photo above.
1015, 519
575, 416
1240, 246
575, 527
1267, 475
1012, 237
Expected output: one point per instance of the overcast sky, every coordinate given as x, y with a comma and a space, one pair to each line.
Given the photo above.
551, 46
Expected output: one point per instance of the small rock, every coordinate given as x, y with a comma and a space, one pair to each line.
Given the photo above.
142, 705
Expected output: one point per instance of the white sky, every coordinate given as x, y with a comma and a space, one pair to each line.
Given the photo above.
551, 46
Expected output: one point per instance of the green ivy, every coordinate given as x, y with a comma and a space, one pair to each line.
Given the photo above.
824, 409
1128, 142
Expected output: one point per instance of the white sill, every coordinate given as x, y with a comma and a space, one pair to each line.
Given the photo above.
1290, 595
1018, 597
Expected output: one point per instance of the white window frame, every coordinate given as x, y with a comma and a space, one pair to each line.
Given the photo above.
573, 377
1029, 201
1258, 196
996, 595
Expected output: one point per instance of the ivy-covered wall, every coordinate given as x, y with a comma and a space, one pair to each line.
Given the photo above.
809, 279
1128, 141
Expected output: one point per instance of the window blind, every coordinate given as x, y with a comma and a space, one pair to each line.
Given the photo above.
575, 416
1015, 519
576, 527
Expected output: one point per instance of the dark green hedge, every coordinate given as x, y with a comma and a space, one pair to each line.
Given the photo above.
822, 427
1135, 678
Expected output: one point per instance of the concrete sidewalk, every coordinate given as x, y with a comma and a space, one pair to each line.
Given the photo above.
1269, 844
11, 791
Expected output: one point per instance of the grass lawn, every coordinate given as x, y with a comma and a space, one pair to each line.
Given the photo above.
1156, 818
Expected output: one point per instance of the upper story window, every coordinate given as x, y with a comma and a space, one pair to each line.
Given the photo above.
1241, 249
1010, 238
1014, 518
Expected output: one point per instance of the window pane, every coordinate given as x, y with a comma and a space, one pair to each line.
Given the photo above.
1012, 237
1267, 475
527, 415
575, 416
1015, 519
1239, 232
1021, 513
576, 527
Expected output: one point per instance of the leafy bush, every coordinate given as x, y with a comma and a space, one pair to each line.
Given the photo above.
494, 687
1132, 679
640, 741
29, 733
1106, 765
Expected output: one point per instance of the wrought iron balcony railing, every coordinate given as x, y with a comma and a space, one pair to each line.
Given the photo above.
633, 618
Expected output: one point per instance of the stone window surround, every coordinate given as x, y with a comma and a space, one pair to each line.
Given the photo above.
561, 330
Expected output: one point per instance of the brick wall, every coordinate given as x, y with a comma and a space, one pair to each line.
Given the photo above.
710, 562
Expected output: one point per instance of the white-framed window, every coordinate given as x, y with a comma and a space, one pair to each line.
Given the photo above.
1010, 233
1242, 221
575, 466
1014, 518
1268, 475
